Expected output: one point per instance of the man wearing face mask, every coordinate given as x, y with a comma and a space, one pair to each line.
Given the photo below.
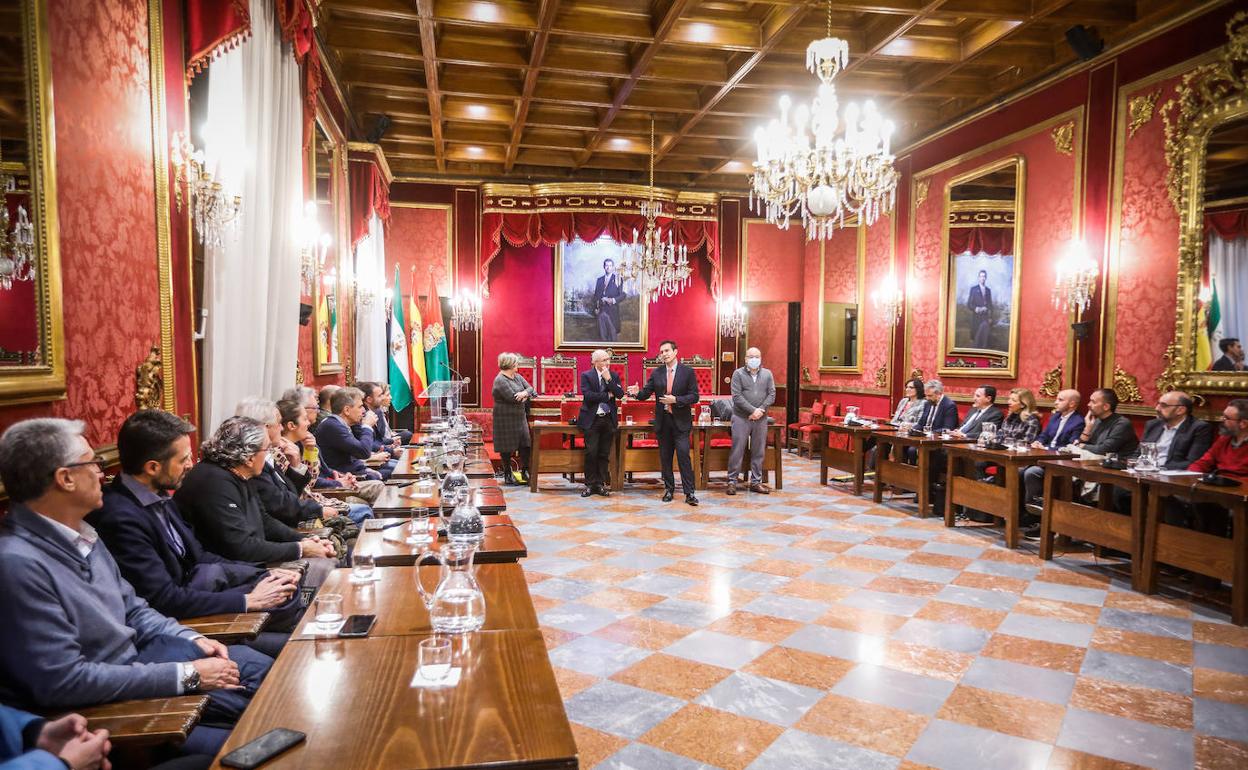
753, 391
599, 417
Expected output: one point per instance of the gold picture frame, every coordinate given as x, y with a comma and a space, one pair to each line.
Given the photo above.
861, 294
1001, 364
571, 313
329, 303
42, 378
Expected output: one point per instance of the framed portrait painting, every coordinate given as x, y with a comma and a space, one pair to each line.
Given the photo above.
595, 307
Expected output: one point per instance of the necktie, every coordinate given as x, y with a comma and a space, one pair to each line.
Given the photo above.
931, 415
671, 377
602, 405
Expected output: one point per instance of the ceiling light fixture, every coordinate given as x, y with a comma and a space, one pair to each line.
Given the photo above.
660, 269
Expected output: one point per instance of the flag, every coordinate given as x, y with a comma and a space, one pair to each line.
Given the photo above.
400, 364
416, 344
437, 356
1214, 317
322, 328
1204, 356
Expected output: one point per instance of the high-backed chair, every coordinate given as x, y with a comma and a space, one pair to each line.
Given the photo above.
704, 371
619, 367
526, 367
804, 434
558, 375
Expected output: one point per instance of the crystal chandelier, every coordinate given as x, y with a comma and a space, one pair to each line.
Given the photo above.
732, 318
313, 246
17, 247
889, 300
466, 312
1076, 280
805, 168
660, 269
212, 208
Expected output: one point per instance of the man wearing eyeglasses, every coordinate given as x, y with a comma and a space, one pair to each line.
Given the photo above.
75, 632
1181, 439
1229, 454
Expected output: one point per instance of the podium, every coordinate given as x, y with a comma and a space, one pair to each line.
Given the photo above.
444, 398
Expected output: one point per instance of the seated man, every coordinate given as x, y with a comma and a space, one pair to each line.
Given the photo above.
346, 436
227, 514
939, 413
287, 458
280, 489
322, 404
1064, 425
385, 434
983, 412
158, 553
1229, 453
1181, 439
28, 742
75, 632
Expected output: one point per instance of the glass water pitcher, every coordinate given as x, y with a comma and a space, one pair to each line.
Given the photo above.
465, 526
456, 605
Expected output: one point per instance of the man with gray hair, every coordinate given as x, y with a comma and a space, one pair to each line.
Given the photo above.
939, 413
346, 436
753, 391
599, 418
75, 632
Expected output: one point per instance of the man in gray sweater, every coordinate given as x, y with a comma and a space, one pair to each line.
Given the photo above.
753, 391
75, 632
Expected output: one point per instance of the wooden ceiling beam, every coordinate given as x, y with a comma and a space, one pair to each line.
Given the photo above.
429, 48
547, 11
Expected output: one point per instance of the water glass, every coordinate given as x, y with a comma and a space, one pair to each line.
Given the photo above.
434, 658
419, 530
328, 610
362, 564
628, 420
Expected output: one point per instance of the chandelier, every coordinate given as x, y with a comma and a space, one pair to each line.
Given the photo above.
732, 318
466, 311
17, 247
313, 246
660, 269
806, 167
889, 300
1076, 280
213, 209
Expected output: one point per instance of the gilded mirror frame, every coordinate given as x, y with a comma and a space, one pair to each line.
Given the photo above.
861, 297
44, 380
1208, 98
337, 227
1001, 365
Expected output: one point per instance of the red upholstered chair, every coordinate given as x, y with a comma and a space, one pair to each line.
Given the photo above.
485, 418
619, 367
642, 413
559, 375
704, 370
804, 434
526, 367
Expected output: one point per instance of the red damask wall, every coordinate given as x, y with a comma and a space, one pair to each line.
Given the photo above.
100, 78
419, 239
773, 262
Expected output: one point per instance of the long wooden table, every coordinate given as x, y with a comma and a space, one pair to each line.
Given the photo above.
633, 459
503, 543
355, 702
404, 501
393, 598
715, 458
1219, 557
853, 457
890, 470
1099, 524
410, 456
1002, 498
564, 459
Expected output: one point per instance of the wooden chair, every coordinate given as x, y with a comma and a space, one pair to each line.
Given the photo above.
704, 371
526, 367
135, 724
804, 434
559, 375
229, 628
619, 367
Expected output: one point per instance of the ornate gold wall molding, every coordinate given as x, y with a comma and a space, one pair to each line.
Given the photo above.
881, 377
160, 181
149, 381
805, 374
1126, 386
1064, 138
1052, 384
916, 373
921, 188
299, 373
1140, 109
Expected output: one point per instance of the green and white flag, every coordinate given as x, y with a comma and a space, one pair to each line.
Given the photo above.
400, 382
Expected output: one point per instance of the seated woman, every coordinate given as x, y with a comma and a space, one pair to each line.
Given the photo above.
511, 418
909, 406
294, 432
226, 512
1022, 420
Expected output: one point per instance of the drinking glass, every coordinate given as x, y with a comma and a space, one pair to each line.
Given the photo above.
628, 420
362, 566
419, 530
328, 611
434, 658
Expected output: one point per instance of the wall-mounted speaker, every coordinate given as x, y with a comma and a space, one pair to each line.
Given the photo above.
1085, 42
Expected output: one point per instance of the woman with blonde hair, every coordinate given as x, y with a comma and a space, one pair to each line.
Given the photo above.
1021, 418
511, 418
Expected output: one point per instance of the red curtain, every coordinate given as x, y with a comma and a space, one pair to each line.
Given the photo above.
994, 241
549, 228
368, 193
1229, 225
212, 27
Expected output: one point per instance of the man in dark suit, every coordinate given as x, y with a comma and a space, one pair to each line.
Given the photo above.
599, 417
159, 554
1232, 359
675, 388
382, 429
939, 413
983, 412
608, 293
1181, 439
346, 436
980, 304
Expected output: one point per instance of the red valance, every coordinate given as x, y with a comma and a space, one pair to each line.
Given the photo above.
994, 241
1229, 225
549, 228
369, 193
213, 27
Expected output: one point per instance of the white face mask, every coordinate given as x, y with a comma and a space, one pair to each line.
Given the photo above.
754, 363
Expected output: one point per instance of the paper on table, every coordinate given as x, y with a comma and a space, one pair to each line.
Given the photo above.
450, 680
314, 630
1178, 473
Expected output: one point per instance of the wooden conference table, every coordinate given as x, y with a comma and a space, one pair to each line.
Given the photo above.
715, 458
503, 543
891, 471
409, 458
853, 457
404, 501
1002, 498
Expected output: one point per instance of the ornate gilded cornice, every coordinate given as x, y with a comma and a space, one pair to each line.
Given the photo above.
1064, 138
1140, 109
378, 157
1126, 386
1052, 384
881, 377
587, 196
921, 188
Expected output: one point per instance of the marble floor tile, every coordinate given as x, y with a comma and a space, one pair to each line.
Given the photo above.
639, 756
593, 746
918, 571
950, 612
883, 601
1224, 720
594, 656
659, 583
1166, 648
955, 746
1220, 754
750, 625
978, 597
882, 729
790, 607
1003, 713
1065, 593
562, 588
686, 613
1158, 625
840, 576
838, 643
1232, 659
797, 749
717, 649
712, 736
808, 669
1127, 740
1035, 652
1143, 704
619, 709
1220, 685
578, 618
643, 632
1018, 679
899, 689
1130, 669
677, 677
946, 636
759, 697
1047, 629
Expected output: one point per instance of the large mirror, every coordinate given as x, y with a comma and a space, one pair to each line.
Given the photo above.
32, 356
325, 157
842, 287
1224, 284
982, 270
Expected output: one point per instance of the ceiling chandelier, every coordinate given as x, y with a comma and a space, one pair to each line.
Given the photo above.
17, 246
660, 269
804, 167
732, 318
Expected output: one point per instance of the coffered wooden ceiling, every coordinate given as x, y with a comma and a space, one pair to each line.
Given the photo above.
556, 89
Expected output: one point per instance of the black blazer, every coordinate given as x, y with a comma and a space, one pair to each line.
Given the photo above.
136, 539
684, 388
989, 415
594, 394
1191, 440
946, 417
279, 493
229, 519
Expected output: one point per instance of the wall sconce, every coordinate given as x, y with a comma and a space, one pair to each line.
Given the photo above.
213, 209
889, 300
733, 317
313, 246
466, 311
1076, 279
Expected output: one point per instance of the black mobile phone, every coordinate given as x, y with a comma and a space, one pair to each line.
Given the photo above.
252, 755
402, 484
357, 626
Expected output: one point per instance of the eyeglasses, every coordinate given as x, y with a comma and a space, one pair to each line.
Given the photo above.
98, 461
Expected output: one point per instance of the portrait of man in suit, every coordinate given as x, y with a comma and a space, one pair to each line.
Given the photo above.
608, 292
980, 297
979, 302
599, 307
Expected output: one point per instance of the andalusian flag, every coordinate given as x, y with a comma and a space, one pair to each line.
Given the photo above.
416, 343
437, 355
400, 364
1214, 318
1204, 354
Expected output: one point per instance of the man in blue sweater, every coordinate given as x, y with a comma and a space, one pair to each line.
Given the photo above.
75, 632
346, 437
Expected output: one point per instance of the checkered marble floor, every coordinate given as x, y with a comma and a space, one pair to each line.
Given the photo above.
814, 629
